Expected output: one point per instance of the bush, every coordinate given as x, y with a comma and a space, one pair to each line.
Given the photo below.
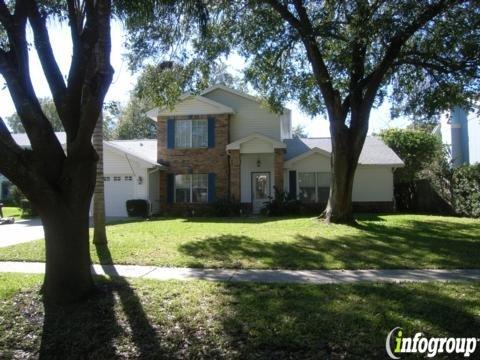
282, 204
225, 208
138, 208
23, 203
466, 190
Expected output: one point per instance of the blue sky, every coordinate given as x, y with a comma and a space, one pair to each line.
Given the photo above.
123, 82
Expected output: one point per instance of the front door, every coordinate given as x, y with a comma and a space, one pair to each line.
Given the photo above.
260, 190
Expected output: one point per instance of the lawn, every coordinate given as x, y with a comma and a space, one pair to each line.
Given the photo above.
12, 211
198, 319
379, 241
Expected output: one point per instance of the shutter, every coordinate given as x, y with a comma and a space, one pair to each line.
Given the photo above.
170, 133
170, 188
292, 183
211, 132
211, 187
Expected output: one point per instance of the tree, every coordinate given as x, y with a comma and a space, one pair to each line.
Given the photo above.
99, 230
133, 123
48, 108
342, 59
59, 184
299, 131
418, 150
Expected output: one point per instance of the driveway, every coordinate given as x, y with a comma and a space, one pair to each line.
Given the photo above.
20, 232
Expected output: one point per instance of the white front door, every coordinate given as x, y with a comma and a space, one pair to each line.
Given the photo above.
260, 190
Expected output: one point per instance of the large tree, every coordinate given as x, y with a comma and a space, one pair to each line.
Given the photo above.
342, 58
58, 183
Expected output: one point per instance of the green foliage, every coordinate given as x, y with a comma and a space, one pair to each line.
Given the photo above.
49, 110
418, 149
281, 204
22, 202
466, 190
133, 123
225, 208
299, 131
138, 208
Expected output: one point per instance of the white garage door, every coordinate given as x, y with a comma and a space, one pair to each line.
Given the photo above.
118, 189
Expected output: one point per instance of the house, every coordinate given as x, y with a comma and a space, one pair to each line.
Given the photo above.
460, 131
225, 144
130, 168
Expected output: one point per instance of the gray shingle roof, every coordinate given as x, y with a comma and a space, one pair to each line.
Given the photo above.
22, 139
374, 152
145, 149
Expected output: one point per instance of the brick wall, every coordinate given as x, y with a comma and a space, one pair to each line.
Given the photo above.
196, 161
235, 179
278, 168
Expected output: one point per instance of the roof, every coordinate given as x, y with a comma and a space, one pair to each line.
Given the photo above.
144, 149
191, 105
22, 138
236, 144
374, 152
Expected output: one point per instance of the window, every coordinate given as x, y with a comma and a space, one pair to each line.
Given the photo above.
306, 186
191, 188
106, 178
191, 133
117, 178
128, 178
314, 187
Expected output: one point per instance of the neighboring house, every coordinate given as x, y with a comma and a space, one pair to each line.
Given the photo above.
130, 172
224, 143
460, 131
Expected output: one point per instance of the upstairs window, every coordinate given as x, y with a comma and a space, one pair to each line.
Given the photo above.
191, 133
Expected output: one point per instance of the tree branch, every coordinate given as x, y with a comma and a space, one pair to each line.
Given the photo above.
49, 64
373, 80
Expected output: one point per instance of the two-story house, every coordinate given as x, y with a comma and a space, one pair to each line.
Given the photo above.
224, 143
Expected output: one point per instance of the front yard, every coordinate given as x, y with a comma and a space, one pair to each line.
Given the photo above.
12, 211
379, 241
206, 320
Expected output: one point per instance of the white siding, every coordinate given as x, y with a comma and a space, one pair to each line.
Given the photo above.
193, 106
373, 183
248, 164
256, 146
249, 117
474, 138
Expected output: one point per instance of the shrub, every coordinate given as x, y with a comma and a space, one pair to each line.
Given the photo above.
23, 203
225, 208
282, 204
138, 208
466, 190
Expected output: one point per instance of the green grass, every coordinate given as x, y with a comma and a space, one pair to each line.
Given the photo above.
383, 241
12, 211
198, 319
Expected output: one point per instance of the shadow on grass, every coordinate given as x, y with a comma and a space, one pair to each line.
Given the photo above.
415, 244
88, 329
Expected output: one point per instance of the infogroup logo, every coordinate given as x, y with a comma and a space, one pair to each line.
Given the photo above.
398, 344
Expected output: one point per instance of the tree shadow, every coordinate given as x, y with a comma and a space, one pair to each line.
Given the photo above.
372, 244
89, 329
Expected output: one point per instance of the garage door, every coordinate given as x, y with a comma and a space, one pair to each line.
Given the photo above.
118, 189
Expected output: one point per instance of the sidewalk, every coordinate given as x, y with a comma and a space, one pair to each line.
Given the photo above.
263, 276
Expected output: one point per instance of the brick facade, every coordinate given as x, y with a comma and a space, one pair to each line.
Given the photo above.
195, 161
235, 180
278, 168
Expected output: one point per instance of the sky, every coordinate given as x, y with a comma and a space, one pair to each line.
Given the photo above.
124, 80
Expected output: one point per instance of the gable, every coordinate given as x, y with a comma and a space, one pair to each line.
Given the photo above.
191, 105
250, 116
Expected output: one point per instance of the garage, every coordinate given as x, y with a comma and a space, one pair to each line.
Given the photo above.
118, 189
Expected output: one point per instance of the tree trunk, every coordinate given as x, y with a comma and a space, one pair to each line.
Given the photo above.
67, 274
99, 232
347, 144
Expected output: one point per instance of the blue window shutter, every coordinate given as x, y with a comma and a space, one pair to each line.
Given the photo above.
292, 183
170, 133
170, 188
211, 132
211, 187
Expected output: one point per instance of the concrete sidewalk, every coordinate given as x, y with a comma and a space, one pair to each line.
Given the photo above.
262, 276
